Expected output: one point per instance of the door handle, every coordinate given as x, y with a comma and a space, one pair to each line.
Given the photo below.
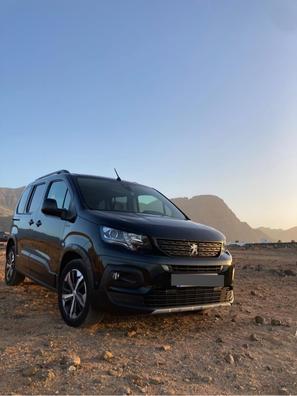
38, 223
31, 222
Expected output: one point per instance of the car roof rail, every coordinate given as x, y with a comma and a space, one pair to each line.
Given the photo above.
54, 173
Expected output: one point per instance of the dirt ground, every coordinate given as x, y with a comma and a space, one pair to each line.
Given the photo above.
222, 352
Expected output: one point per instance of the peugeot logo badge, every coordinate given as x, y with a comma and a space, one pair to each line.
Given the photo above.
193, 249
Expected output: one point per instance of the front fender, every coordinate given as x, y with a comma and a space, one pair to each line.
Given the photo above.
89, 258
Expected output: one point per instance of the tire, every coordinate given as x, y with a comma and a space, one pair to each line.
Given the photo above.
74, 296
12, 276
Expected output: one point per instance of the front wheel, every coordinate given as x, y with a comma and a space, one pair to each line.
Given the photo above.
74, 296
12, 276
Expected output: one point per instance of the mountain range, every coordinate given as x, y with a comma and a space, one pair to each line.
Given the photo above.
8, 200
205, 209
279, 234
213, 211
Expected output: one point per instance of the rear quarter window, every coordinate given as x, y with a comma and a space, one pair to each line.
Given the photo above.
21, 208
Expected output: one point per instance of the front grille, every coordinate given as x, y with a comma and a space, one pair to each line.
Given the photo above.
175, 297
189, 248
205, 269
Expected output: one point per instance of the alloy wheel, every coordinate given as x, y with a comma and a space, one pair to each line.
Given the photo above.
74, 294
10, 265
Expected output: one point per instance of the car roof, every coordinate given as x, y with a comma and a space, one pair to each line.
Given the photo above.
67, 173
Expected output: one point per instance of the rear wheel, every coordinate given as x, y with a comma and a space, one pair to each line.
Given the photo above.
74, 296
12, 276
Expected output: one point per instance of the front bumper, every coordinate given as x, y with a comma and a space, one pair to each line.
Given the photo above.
144, 285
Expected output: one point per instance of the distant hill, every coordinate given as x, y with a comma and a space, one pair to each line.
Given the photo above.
5, 212
8, 200
212, 210
279, 234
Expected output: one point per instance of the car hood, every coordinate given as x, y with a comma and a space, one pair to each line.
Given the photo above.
155, 226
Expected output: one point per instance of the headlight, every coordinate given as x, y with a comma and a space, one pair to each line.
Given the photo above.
127, 239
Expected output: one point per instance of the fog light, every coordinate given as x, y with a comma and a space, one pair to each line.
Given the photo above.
115, 275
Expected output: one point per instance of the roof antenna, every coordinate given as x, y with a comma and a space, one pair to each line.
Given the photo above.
118, 177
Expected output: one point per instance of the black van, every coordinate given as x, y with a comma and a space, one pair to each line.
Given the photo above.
107, 244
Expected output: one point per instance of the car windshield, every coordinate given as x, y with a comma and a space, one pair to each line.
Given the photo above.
114, 195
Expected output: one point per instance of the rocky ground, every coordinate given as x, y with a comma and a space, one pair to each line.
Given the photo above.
248, 349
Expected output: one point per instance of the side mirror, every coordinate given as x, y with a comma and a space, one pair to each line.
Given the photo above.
50, 207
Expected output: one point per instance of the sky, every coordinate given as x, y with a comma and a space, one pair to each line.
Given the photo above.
190, 97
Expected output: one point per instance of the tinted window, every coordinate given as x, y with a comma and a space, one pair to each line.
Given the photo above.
113, 195
58, 192
150, 204
23, 201
119, 203
37, 197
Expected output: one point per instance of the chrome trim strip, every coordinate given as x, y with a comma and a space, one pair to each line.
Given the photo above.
192, 307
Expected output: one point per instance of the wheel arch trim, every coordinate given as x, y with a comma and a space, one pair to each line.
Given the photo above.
72, 252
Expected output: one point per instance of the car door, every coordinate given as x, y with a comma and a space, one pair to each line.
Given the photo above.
34, 259
19, 230
49, 231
